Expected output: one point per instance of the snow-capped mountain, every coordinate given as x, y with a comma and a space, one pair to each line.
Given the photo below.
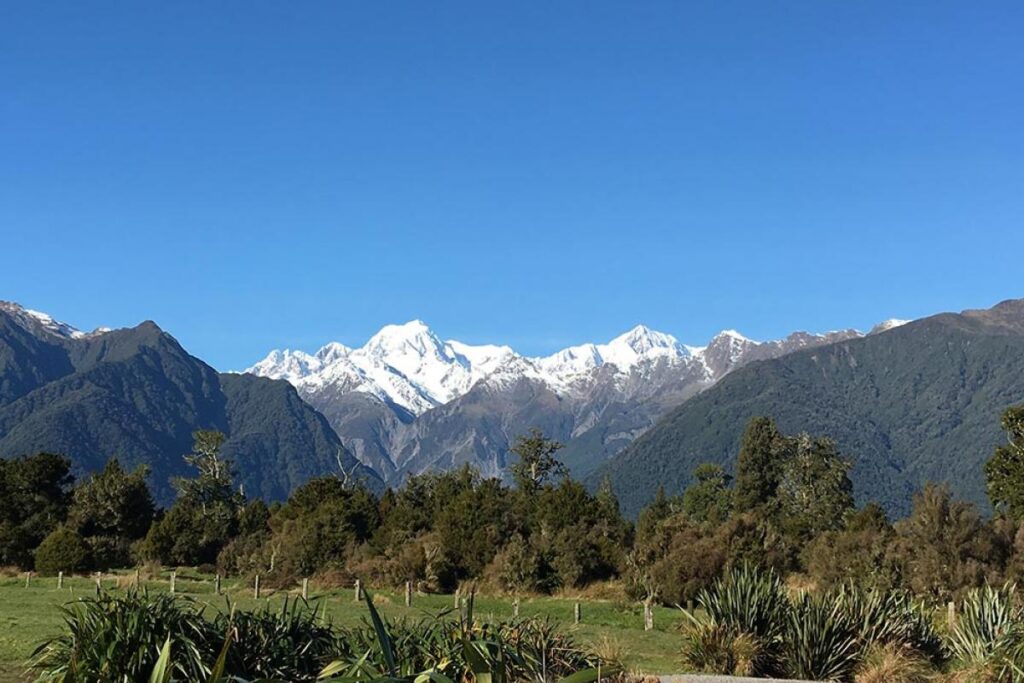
43, 322
407, 401
410, 367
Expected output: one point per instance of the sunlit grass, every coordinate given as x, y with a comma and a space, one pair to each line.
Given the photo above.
28, 616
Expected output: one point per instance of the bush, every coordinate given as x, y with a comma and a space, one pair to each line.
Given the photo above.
820, 641
64, 550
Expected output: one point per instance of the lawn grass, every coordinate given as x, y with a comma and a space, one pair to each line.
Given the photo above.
28, 616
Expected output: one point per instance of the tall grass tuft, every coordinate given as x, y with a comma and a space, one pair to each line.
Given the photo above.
989, 634
821, 640
115, 639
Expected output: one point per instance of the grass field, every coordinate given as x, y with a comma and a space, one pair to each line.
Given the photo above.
28, 616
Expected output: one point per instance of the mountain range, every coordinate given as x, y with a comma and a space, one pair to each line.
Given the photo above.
907, 402
919, 403
407, 401
138, 395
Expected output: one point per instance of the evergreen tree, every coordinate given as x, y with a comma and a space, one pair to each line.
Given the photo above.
708, 498
537, 464
1004, 472
758, 466
111, 510
33, 502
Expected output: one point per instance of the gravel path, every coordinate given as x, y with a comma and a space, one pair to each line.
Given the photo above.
703, 678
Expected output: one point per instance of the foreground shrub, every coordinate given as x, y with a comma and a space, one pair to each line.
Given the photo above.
141, 637
110, 640
716, 649
893, 664
988, 635
820, 641
752, 603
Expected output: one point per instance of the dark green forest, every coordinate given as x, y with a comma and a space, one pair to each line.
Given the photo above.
789, 508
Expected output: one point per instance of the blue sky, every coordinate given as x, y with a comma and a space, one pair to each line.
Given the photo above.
254, 175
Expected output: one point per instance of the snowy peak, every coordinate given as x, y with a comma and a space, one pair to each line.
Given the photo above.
37, 321
886, 325
643, 342
286, 364
411, 367
411, 340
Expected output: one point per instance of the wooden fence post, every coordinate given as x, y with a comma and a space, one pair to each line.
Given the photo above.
256, 588
951, 614
99, 585
60, 580
576, 613
456, 605
28, 577
408, 593
515, 607
358, 593
138, 578
648, 617
216, 584
305, 589
174, 578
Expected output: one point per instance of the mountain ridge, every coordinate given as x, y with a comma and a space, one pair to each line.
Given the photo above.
916, 403
136, 394
406, 388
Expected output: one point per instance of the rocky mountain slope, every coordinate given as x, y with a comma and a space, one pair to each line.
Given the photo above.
408, 401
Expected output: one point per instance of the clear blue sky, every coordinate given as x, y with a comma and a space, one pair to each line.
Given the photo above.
254, 175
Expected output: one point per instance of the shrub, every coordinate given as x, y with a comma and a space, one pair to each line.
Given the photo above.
988, 633
717, 649
820, 641
109, 640
751, 602
64, 550
893, 664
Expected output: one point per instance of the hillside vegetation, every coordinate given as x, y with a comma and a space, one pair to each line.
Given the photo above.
911, 405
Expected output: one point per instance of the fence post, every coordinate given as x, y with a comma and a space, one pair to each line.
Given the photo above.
60, 580
408, 593
174, 577
99, 586
256, 588
28, 577
305, 589
138, 578
648, 616
456, 605
216, 584
951, 614
576, 613
515, 607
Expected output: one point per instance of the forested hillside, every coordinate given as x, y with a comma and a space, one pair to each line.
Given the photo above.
908, 406
138, 395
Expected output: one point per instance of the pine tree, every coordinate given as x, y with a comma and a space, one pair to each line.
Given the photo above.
758, 465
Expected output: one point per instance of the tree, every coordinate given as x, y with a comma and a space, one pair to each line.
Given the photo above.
1004, 472
111, 510
855, 554
537, 464
64, 550
758, 466
707, 499
213, 483
814, 492
204, 518
944, 546
33, 502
